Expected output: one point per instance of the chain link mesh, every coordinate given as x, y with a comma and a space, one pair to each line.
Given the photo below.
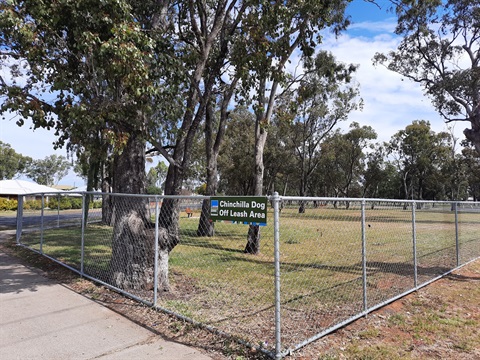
468, 231
339, 258
321, 273
389, 250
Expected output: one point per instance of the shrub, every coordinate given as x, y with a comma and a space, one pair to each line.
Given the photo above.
65, 203
32, 205
76, 203
7, 204
154, 190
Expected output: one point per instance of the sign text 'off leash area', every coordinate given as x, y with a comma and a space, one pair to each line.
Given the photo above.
247, 210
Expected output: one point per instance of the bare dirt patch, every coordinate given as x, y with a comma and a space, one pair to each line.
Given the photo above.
440, 321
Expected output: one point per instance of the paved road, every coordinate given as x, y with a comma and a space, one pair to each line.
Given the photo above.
35, 220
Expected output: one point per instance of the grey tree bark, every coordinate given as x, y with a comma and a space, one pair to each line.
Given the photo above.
133, 240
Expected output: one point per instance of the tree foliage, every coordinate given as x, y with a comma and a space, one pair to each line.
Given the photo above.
115, 76
441, 51
112, 76
236, 155
324, 97
345, 156
420, 154
48, 171
81, 68
11, 162
155, 178
380, 178
273, 31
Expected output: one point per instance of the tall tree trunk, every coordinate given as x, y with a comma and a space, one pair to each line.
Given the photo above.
301, 209
253, 237
212, 148
168, 221
180, 160
263, 114
106, 188
205, 226
133, 237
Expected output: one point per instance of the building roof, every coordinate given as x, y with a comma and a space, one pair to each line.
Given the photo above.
63, 187
21, 187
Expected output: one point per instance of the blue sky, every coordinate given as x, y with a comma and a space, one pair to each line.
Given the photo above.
364, 11
390, 103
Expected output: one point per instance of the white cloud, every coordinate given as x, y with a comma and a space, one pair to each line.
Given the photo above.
6, 63
387, 25
390, 102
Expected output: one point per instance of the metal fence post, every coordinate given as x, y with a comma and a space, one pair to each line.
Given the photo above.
155, 266
19, 218
82, 249
276, 236
364, 258
41, 223
58, 211
457, 242
414, 244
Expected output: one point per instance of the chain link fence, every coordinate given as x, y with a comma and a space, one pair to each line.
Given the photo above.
323, 262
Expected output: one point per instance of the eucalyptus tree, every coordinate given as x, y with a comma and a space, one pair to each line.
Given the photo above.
440, 50
390, 187
11, 162
324, 97
48, 171
344, 159
452, 179
125, 73
471, 160
353, 156
155, 178
273, 32
92, 71
235, 162
217, 115
419, 154
376, 172
280, 166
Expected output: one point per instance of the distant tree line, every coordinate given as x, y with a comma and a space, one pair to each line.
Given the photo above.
416, 163
48, 171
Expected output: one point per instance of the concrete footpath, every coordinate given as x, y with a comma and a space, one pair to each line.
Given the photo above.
41, 319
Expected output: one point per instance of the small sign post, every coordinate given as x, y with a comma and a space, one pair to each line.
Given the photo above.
250, 210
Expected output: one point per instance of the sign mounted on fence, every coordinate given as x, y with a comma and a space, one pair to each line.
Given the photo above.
247, 210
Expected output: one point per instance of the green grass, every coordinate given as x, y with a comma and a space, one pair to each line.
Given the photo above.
65, 244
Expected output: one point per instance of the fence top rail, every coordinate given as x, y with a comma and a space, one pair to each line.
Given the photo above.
269, 197
53, 193
369, 200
